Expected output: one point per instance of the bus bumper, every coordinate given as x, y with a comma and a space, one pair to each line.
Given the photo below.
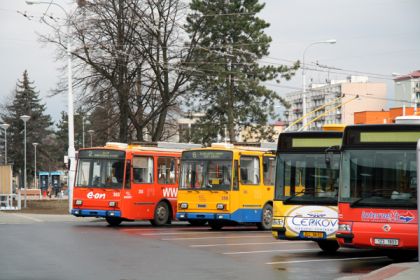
379, 236
95, 213
186, 216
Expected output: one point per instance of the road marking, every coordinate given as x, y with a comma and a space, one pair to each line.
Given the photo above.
28, 217
245, 244
217, 237
270, 251
192, 232
327, 260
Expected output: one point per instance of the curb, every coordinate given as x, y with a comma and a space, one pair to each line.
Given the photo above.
396, 271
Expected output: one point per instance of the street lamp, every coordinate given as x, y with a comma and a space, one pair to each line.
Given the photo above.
331, 41
71, 149
24, 118
90, 131
35, 144
5, 126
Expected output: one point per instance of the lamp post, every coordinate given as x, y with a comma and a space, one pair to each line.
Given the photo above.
90, 131
70, 114
35, 177
331, 41
5, 126
24, 118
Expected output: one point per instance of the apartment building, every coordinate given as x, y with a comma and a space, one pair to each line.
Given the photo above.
335, 102
407, 90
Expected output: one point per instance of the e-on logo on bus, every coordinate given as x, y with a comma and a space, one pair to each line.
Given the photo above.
92, 195
312, 218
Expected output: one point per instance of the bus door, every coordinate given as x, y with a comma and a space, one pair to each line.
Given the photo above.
143, 187
249, 198
167, 169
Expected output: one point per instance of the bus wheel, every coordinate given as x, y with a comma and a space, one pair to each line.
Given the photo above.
401, 255
113, 221
197, 223
161, 216
267, 218
328, 246
216, 225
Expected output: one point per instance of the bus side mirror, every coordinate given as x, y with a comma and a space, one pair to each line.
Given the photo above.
329, 152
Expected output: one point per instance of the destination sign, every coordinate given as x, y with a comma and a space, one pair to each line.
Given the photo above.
315, 142
207, 155
389, 137
102, 154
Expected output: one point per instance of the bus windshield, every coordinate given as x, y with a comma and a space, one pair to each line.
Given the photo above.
307, 178
100, 173
206, 174
379, 178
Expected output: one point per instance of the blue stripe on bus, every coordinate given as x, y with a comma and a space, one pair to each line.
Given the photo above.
95, 213
240, 216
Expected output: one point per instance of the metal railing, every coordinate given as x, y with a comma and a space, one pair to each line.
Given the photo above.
10, 201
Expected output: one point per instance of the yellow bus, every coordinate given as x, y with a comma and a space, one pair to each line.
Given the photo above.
306, 192
227, 184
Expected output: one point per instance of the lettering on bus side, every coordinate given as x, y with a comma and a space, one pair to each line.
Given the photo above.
312, 218
170, 192
92, 195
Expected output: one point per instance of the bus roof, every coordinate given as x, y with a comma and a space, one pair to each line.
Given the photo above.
316, 141
257, 147
381, 135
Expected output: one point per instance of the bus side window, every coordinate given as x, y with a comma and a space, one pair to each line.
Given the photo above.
166, 170
235, 176
250, 170
269, 168
143, 169
128, 175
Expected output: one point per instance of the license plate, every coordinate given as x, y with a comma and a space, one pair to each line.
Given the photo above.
312, 234
386, 242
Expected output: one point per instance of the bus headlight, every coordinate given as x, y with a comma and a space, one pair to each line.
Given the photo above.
220, 206
278, 222
78, 202
344, 227
183, 205
112, 204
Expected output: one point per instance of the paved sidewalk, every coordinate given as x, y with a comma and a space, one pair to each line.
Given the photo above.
28, 218
396, 271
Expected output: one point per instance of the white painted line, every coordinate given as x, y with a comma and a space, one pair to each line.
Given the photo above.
245, 244
192, 232
28, 217
270, 251
217, 237
327, 260
163, 228
181, 233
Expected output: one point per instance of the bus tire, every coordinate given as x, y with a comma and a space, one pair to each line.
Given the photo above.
161, 216
328, 246
197, 223
267, 218
401, 255
113, 221
216, 225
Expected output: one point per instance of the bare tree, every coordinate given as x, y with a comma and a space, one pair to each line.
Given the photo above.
127, 59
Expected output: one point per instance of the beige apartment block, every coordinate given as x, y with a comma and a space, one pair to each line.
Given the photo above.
335, 102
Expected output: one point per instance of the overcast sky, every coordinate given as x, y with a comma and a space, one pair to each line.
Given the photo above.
374, 38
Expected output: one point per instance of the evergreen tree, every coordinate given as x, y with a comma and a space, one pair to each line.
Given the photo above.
228, 80
26, 101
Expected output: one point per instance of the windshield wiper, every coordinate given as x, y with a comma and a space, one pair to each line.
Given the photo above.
292, 197
357, 201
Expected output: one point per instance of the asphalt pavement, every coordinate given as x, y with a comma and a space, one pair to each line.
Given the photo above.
37, 246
